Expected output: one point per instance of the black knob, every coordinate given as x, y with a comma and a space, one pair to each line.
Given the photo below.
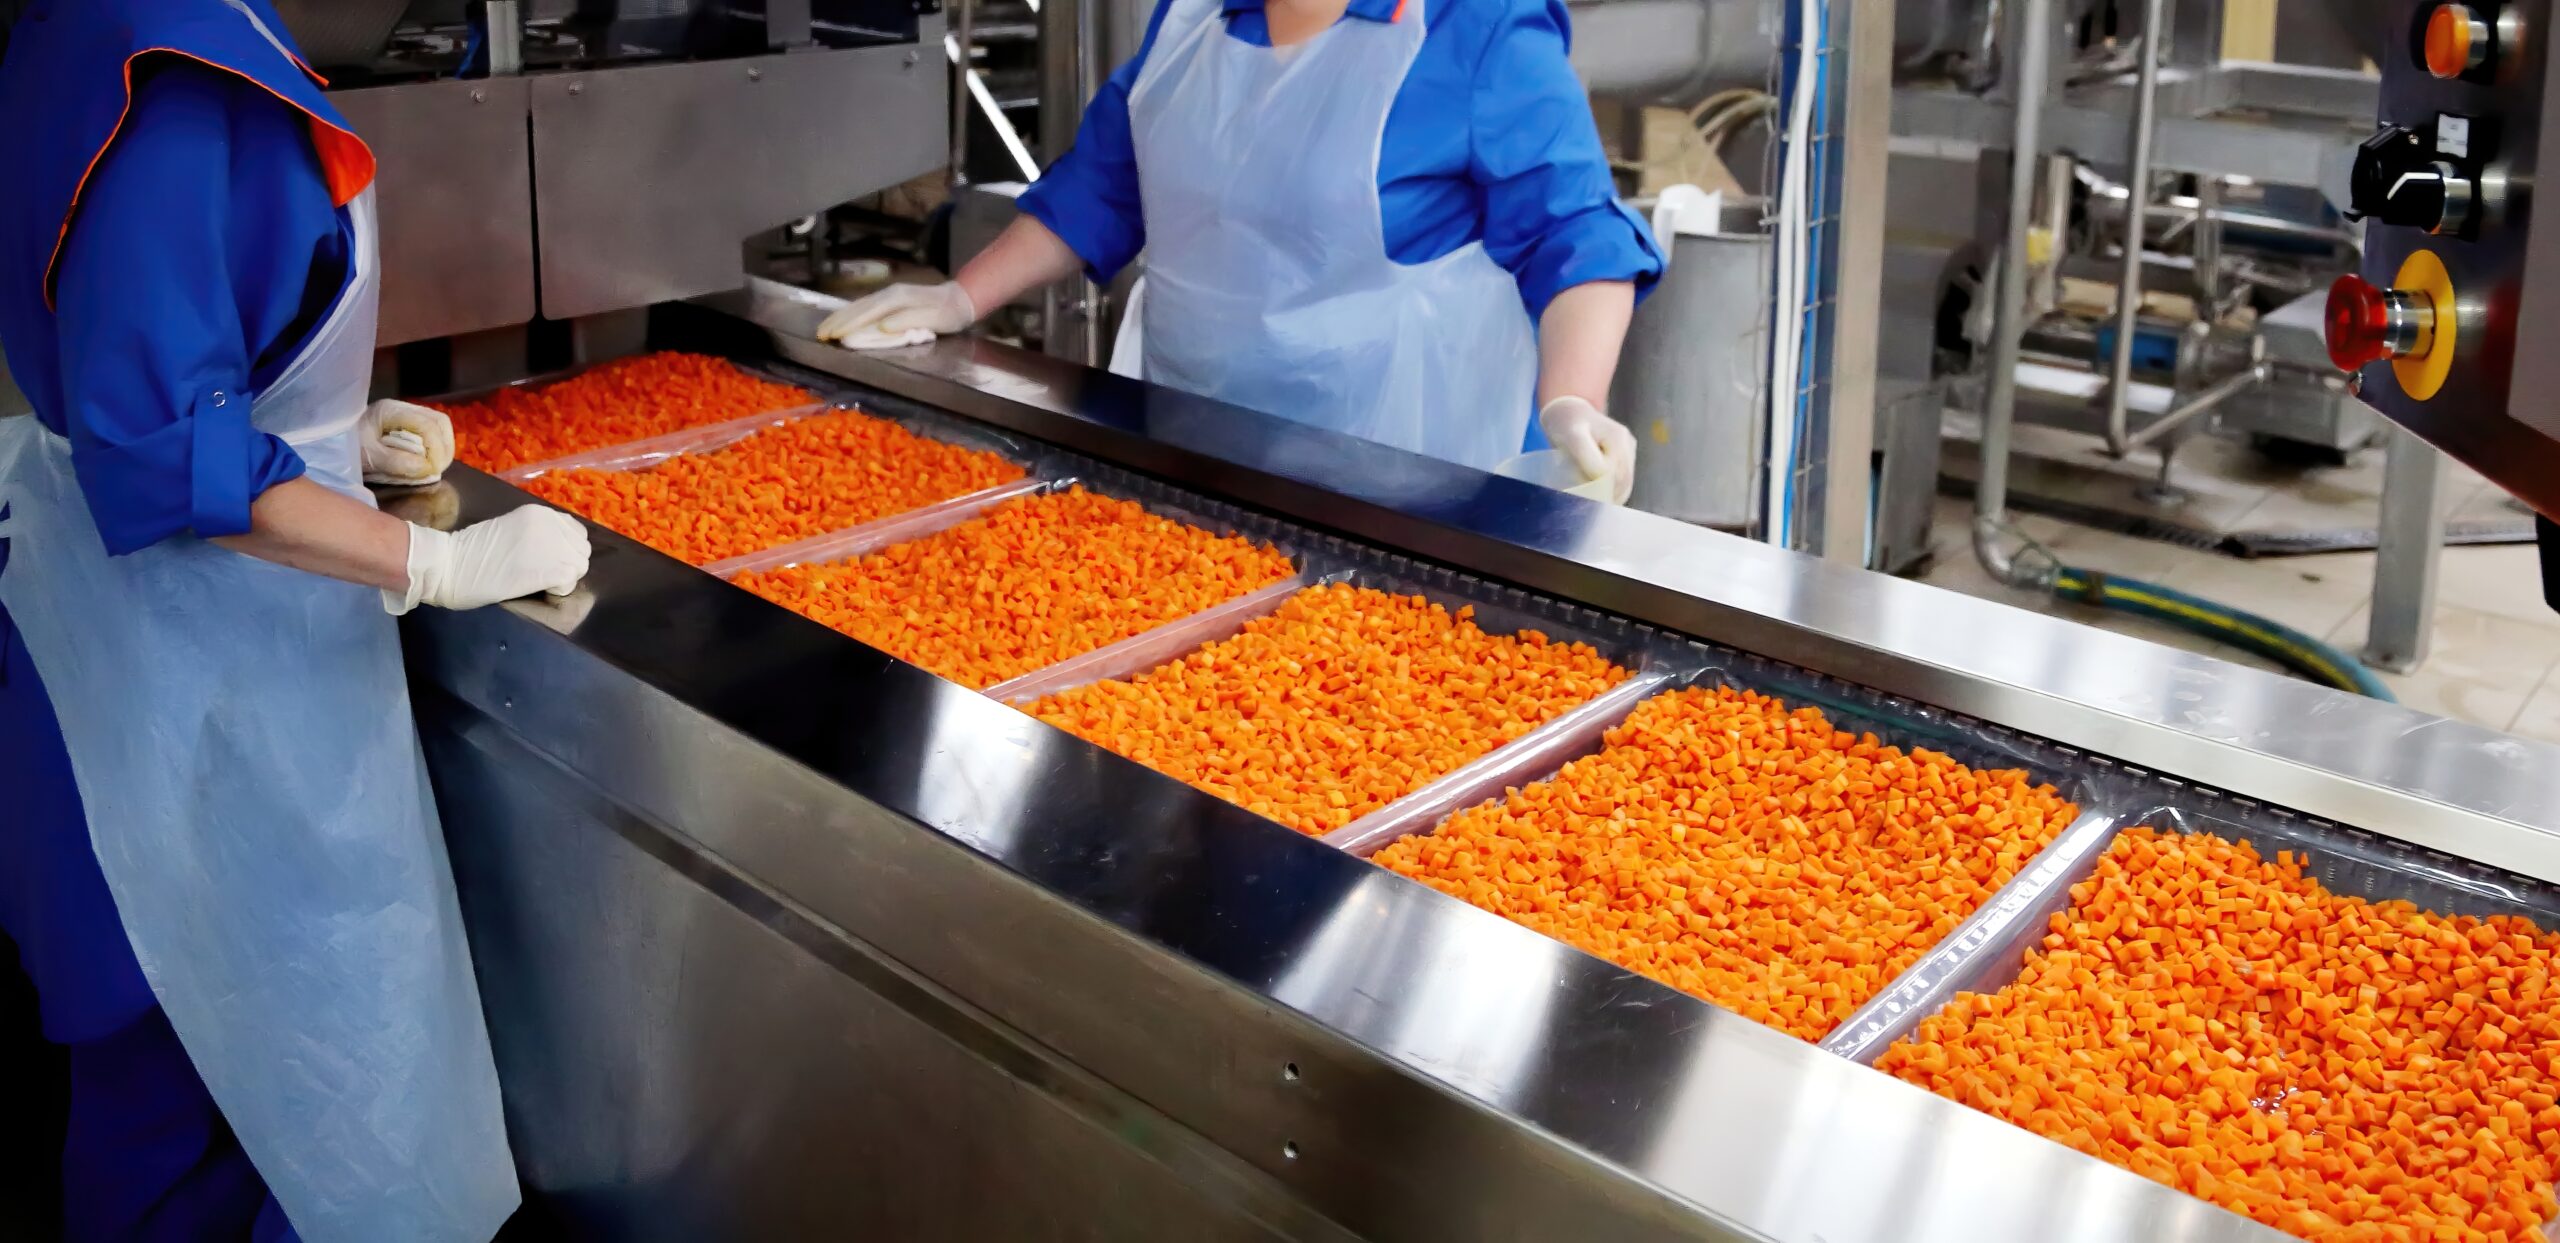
2399, 179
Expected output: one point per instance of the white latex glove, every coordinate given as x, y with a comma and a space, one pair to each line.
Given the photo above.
900, 315
533, 549
405, 445
1601, 447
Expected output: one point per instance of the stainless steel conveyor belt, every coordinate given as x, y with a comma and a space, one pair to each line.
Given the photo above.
782, 938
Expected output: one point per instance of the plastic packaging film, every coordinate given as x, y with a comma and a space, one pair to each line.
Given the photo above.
645, 453
871, 537
1990, 951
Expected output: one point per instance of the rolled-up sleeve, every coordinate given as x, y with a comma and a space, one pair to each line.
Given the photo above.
1089, 197
155, 363
1551, 211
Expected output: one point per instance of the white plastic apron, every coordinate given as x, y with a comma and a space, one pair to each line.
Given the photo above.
243, 745
1268, 283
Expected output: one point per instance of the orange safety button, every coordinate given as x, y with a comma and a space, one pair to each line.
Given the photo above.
2358, 320
2456, 41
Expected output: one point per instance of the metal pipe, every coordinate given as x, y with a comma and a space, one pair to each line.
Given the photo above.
1982, 72
1070, 40
2208, 245
964, 58
2228, 387
2146, 111
2107, 207
503, 21
2410, 533
2047, 294
2032, 36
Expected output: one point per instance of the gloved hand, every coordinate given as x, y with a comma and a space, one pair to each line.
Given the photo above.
405, 445
1601, 447
900, 315
532, 549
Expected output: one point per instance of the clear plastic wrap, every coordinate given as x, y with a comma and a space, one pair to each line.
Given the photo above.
1141, 652
1538, 753
1165, 644
871, 537
649, 451
1677, 665
645, 453
1990, 951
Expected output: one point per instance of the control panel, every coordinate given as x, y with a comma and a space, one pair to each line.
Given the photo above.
2452, 325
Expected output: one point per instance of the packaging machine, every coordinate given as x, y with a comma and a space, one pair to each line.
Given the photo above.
781, 937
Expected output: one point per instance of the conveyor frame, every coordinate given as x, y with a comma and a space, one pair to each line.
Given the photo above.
783, 938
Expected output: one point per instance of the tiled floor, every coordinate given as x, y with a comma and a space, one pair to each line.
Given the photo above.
2495, 659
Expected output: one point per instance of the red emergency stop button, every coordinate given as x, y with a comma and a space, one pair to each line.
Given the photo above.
2357, 316
2457, 41
2367, 323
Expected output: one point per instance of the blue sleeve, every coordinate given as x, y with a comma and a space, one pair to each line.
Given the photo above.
155, 360
1089, 197
1551, 212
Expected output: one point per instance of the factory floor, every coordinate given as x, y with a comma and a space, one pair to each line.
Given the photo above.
2495, 658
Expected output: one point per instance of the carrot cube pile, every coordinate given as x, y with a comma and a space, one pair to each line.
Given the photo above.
806, 477
2336, 1067
1746, 854
1337, 704
1025, 585
618, 402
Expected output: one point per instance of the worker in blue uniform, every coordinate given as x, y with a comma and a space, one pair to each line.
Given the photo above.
219, 858
1392, 218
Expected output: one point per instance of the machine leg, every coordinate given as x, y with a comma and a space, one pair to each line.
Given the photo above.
2161, 491
2411, 545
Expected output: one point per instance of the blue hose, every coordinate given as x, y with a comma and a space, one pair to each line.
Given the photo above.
2249, 632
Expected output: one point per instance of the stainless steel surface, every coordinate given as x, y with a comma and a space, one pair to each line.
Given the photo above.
2146, 114
750, 897
2211, 398
2279, 149
1690, 380
2536, 371
505, 22
2177, 212
2401, 619
1910, 444
2494, 412
2400, 773
1858, 146
964, 68
826, 126
756, 905
1294, 1037
332, 33
690, 1055
1074, 35
1991, 535
455, 174
2303, 399
2346, 93
1671, 52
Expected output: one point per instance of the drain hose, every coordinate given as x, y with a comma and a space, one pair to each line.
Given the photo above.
2249, 632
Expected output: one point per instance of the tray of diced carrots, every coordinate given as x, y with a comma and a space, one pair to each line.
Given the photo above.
1318, 706
1758, 855
1026, 583
2262, 1016
611, 403
741, 487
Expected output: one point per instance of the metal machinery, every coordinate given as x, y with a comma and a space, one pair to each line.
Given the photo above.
509, 133
2215, 292
781, 938
2433, 330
